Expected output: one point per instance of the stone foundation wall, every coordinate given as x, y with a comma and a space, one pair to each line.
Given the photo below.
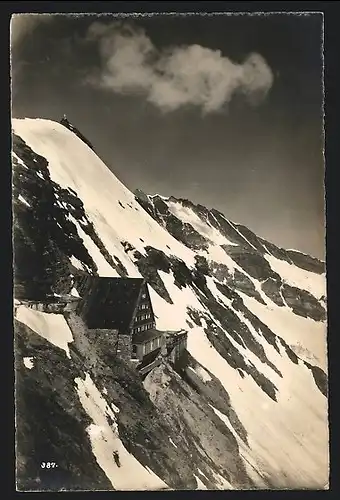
56, 308
106, 335
52, 307
124, 348
86, 339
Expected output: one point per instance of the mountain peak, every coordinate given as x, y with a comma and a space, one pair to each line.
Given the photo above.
64, 121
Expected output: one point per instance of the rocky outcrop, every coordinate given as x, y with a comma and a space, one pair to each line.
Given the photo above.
320, 378
198, 430
272, 288
303, 303
253, 264
247, 250
306, 262
50, 421
182, 231
45, 237
238, 234
64, 121
148, 266
206, 384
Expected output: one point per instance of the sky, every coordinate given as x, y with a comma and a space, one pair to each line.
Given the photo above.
223, 110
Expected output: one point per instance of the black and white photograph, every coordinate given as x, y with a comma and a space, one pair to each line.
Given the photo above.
169, 257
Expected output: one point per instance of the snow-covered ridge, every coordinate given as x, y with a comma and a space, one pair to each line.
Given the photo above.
109, 204
158, 196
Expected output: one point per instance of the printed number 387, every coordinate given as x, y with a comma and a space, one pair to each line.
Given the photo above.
48, 465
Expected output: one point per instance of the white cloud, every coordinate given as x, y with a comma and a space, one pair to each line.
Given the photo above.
174, 77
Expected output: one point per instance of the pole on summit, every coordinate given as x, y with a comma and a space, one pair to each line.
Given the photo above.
64, 120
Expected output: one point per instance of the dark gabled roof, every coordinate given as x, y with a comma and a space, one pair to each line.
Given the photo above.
142, 337
149, 358
109, 302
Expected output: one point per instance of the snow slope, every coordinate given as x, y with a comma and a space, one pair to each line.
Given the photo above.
288, 431
98, 188
125, 472
186, 214
52, 327
316, 284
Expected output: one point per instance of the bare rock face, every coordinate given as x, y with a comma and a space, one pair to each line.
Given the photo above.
64, 121
254, 264
303, 303
50, 420
45, 237
182, 231
247, 250
241, 282
198, 430
272, 288
306, 262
